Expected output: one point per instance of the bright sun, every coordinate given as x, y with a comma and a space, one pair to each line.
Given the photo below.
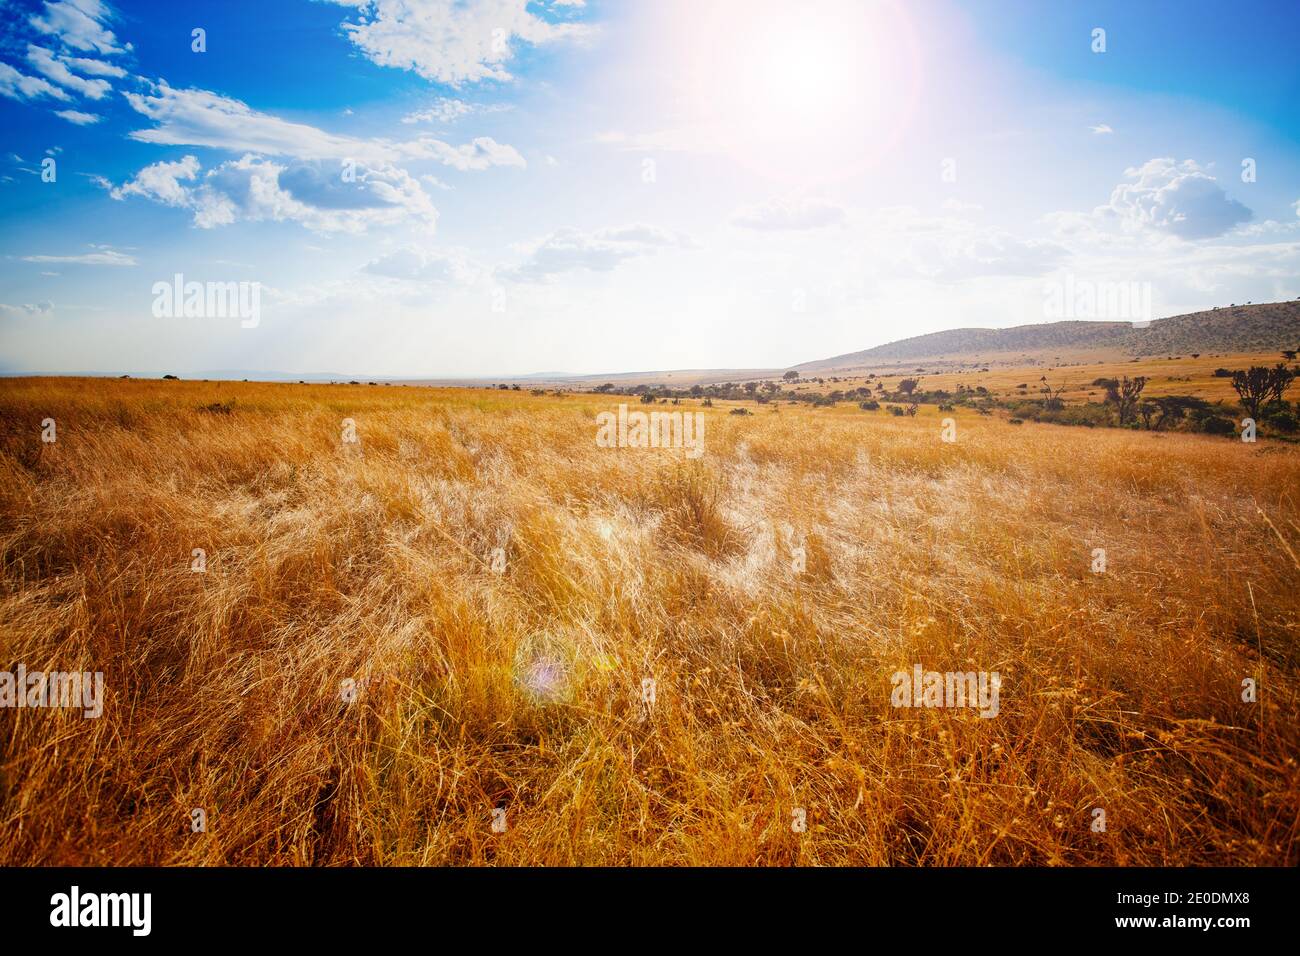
783, 85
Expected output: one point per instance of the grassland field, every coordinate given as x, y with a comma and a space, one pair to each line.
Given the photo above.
332, 565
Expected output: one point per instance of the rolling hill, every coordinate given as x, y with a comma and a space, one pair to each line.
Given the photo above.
1244, 328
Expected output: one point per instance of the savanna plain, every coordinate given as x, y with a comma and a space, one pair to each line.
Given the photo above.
349, 675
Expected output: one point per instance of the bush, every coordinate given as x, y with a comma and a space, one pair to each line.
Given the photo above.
1281, 421
1015, 421
1216, 425
869, 406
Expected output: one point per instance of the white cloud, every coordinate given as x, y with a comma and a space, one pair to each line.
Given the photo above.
447, 110
480, 153
105, 257
160, 182
450, 41
39, 308
78, 117
1180, 199
443, 110
80, 24
566, 250
94, 67
203, 118
46, 62
255, 189
419, 264
787, 215
904, 244
1101, 129
19, 86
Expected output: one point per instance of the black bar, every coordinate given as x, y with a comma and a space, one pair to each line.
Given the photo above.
549, 907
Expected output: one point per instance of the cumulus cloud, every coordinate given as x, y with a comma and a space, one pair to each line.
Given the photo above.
105, 257
20, 86
78, 117
450, 41
310, 192
787, 215
57, 70
194, 117
80, 24
567, 250
160, 182
1180, 199
1101, 129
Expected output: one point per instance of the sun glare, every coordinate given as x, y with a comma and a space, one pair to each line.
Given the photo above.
807, 92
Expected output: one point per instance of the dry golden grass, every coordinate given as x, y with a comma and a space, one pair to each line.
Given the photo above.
329, 562
1179, 375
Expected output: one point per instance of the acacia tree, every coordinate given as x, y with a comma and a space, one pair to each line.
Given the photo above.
1258, 385
908, 385
1282, 379
1052, 398
1124, 395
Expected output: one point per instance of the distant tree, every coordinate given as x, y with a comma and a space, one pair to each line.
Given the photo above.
1282, 379
1289, 354
1173, 408
908, 385
751, 387
790, 376
1051, 399
1258, 385
1124, 396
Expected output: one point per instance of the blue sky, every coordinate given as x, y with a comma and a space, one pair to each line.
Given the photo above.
438, 188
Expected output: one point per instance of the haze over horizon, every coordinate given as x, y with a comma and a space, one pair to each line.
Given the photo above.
607, 186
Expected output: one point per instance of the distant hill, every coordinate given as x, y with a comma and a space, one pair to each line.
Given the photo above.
1244, 328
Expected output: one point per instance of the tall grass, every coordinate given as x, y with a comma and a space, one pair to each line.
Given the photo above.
370, 563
